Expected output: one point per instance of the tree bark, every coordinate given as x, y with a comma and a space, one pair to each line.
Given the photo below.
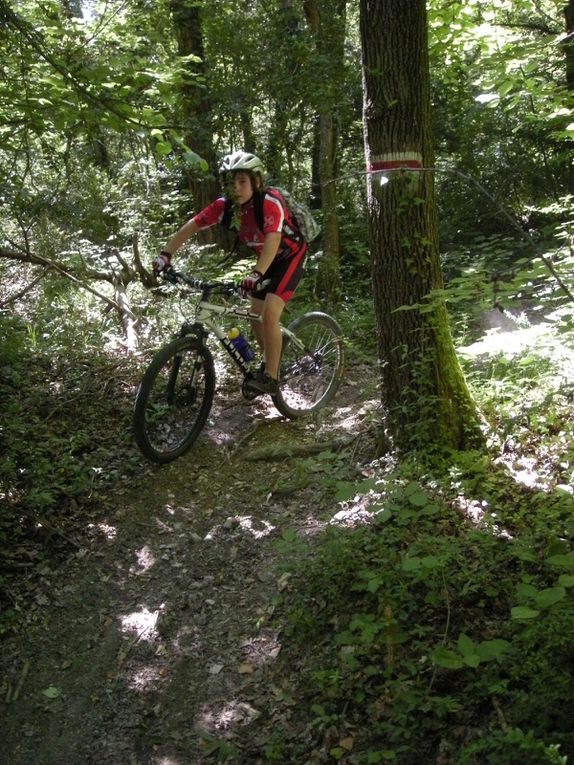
425, 395
195, 103
569, 45
326, 18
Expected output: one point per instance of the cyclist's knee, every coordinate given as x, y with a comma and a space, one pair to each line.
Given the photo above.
272, 309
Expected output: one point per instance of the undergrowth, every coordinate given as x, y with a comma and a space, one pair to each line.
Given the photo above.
64, 440
427, 638
439, 628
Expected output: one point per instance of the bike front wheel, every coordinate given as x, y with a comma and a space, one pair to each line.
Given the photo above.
174, 399
312, 364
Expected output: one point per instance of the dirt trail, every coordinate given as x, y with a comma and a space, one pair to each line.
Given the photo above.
159, 634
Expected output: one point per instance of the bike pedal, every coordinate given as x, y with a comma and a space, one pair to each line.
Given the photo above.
248, 393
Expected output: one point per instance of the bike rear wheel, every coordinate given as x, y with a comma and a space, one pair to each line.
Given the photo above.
174, 399
312, 365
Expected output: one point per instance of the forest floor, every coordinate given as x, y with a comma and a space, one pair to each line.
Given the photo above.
154, 643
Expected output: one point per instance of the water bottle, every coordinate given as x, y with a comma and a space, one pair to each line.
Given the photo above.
239, 342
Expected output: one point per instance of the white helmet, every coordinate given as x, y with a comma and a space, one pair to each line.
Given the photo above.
241, 160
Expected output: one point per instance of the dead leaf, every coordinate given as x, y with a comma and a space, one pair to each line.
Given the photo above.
347, 743
283, 581
245, 668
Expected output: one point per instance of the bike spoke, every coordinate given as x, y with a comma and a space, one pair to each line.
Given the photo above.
174, 400
311, 366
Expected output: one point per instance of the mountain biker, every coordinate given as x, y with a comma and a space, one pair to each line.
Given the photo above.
279, 249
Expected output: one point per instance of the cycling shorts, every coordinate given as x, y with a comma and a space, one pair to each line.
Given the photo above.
283, 276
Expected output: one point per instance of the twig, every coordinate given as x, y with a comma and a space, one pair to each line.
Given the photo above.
446, 626
123, 652
246, 436
499, 714
44, 523
20, 683
22, 292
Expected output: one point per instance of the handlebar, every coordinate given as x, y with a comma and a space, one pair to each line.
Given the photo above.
206, 288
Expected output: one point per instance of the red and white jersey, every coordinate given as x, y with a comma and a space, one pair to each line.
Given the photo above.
275, 220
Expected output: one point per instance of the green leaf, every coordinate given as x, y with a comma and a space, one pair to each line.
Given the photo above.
491, 650
431, 561
444, 657
562, 561
373, 584
415, 495
549, 596
526, 591
522, 612
162, 148
505, 87
52, 692
289, 535
411, 564
347, 489
465, 644
566, 580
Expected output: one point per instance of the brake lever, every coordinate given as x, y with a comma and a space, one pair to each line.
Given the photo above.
169, 275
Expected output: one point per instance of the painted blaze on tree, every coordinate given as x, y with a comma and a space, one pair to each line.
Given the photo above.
426, 397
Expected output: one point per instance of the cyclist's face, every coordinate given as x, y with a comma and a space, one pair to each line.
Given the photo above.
241, 186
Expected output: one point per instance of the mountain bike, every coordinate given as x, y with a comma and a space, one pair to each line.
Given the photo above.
176, 392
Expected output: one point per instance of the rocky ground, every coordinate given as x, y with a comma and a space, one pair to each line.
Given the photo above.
156, 643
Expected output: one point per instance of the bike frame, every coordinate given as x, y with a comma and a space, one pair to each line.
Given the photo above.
206, 315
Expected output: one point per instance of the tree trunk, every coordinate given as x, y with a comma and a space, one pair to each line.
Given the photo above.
326, 18
424, 392
195, 104
569, 45
569, 51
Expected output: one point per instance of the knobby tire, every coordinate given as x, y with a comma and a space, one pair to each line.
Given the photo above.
310, 370
174, 399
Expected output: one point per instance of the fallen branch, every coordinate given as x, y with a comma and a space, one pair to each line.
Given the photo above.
26, 257
23, 675
12, 695
22, 292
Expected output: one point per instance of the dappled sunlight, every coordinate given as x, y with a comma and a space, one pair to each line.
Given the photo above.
361, 510
351, 418
478, 513
145, 560
227, 715
358, 513
508, 343
258, 528
472, 508
526, 471
109, 532
261, 650
143, 623
218, 437
249, 524
146, 679
510, 335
